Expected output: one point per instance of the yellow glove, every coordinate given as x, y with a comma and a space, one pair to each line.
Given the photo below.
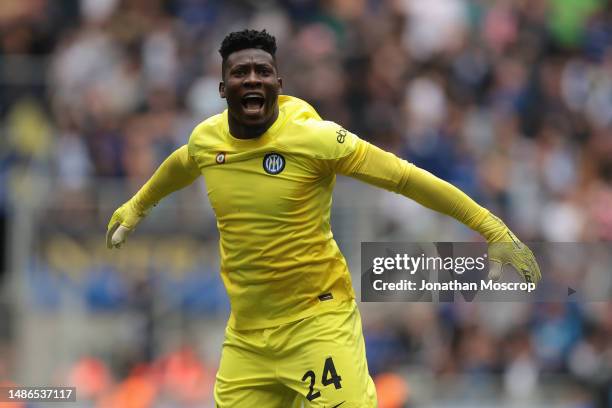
505, 248
176, 172
123, 221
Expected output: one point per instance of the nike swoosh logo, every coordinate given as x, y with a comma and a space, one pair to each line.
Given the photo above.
337, 405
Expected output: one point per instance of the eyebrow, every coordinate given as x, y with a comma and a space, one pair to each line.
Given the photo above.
248, 64
257, 64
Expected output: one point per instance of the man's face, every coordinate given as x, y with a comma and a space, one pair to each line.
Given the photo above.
251, 86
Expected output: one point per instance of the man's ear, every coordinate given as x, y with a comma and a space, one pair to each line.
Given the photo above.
222, 89
280, 83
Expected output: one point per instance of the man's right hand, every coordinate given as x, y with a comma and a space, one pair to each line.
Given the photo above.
123, 221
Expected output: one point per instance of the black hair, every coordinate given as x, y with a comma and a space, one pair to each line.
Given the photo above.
242, 40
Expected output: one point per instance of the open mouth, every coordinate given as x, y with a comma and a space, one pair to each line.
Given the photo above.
253, 102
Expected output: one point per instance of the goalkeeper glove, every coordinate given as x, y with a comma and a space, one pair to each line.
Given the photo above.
505, 248
123, 221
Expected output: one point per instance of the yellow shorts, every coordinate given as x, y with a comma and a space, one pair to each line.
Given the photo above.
317, 362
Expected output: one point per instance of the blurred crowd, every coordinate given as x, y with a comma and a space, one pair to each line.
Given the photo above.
510, 100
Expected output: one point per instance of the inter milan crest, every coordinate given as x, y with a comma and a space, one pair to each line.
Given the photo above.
273, 163
220, 159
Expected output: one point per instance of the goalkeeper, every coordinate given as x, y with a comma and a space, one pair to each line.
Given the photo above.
294, 334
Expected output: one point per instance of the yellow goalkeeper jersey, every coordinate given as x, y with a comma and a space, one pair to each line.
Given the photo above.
272, 197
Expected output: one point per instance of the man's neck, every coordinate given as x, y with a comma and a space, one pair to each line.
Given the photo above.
241, 131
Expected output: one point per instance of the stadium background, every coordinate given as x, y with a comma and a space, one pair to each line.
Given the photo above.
510, 100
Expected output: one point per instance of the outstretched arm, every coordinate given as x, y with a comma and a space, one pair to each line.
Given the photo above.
383, 169
176, 172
